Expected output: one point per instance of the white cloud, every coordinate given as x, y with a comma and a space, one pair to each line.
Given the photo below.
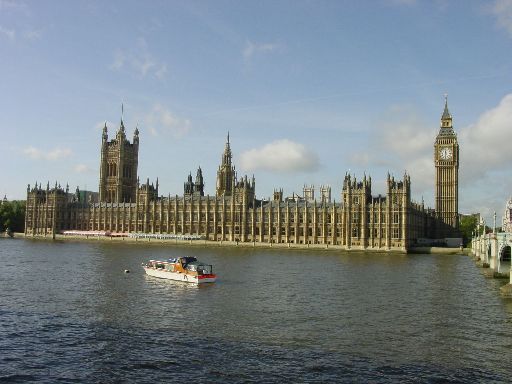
280, 156
361, 159
404, 133
502, 10
29, 34
12, 5
82, 168
9, 33
32, 35
161, 72
153, 131
139, 60
404, 142
161, 120
143, 64
485, 145
252, 49
54, 154
119, 60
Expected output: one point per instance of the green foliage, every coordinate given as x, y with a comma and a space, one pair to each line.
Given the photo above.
466, 226
12, 216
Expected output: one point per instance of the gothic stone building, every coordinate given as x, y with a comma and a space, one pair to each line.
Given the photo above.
358, 221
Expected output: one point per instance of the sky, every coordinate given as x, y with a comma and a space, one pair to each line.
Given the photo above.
308, 91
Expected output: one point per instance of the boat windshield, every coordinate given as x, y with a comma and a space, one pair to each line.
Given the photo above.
202, 269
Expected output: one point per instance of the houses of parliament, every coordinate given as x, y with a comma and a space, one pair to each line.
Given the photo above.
358, 220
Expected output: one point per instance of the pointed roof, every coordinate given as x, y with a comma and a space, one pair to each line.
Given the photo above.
446, 113
227, 143
446, 128
121, 126
226, 156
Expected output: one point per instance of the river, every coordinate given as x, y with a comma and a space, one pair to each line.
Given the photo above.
69, 313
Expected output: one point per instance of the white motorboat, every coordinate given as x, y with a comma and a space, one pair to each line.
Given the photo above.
187, 269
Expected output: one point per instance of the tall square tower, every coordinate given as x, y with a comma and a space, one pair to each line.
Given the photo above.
446, 159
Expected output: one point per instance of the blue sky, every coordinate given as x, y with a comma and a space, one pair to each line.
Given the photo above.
308, 91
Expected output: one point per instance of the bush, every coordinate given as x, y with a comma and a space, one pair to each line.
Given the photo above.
12, 216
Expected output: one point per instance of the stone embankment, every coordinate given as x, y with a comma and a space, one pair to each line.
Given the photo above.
209, 243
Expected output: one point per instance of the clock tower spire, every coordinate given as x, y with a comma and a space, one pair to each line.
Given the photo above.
446, 160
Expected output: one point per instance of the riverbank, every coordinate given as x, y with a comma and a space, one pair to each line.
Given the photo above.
440, 250
209, 243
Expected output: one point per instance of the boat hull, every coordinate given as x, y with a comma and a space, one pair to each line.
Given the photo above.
179, 276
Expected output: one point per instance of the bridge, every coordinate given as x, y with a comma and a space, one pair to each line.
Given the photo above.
492, 250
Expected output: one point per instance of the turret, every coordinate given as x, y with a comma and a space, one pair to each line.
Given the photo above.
121, 134
104, 137
278, 194
136, 136
199, 184
226, 175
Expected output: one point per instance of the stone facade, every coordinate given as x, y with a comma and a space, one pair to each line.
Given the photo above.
358, 221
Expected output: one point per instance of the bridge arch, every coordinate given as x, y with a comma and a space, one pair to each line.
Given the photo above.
505, 253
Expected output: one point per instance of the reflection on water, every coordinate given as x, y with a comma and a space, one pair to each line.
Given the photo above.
69, 312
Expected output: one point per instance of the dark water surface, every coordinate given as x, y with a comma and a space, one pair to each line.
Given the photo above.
69, 313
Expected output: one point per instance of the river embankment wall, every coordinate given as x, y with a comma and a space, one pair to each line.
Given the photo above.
209, 243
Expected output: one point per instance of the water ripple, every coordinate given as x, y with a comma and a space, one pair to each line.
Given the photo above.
311, 318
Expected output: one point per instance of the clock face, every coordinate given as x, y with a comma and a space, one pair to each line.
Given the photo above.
445, 153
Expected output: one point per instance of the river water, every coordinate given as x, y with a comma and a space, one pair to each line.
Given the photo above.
69, 313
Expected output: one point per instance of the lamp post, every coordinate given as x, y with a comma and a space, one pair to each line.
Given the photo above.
477, 237
484, 248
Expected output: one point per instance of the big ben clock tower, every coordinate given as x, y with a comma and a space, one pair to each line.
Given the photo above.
446, 158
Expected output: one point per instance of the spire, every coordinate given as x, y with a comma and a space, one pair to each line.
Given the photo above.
121, 127
446, 113
226, 158
136, 135
199, 176
446, 119
105, 132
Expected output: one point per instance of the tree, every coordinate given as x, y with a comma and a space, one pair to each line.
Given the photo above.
12, 216
467, 226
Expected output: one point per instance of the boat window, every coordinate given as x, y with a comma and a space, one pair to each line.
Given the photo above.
204, 269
